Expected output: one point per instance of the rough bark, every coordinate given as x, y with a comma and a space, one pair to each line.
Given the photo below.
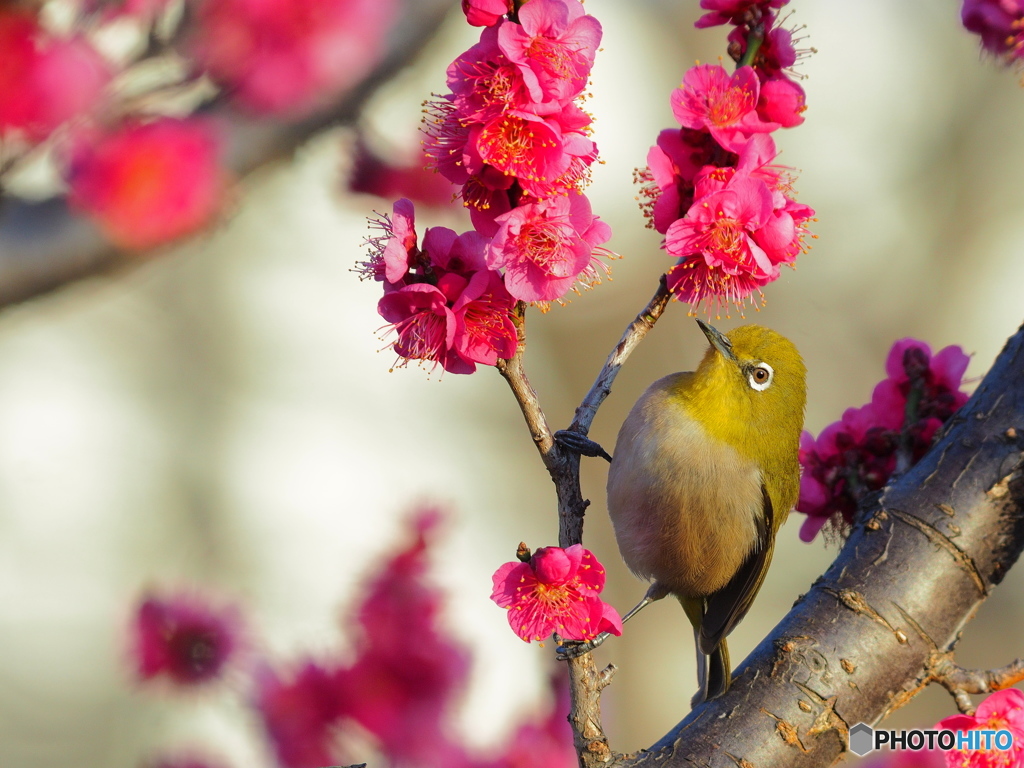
881, 622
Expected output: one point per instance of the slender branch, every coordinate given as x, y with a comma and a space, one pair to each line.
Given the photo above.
960, 681
631, 337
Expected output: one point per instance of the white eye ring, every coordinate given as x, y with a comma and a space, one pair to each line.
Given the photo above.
761, 386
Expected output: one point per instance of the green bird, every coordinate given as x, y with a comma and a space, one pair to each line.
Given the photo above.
705, 471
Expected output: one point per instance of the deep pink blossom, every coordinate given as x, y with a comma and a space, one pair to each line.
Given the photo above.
556, 591
735, 11
1002, 710
545, 247
999, 23
148, 183
184, 638
553, 45
408, 673
858, 454
289, 56
726, 106
375, 175
300, 710
483, 320
485, 13
485, 83
424, 326
44, 80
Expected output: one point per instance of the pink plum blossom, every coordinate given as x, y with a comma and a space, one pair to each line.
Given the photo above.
184, 638
485, 83
858, 454
735, 11
553, 45
299, 711
546, 246
556, 591
1002, 710
485, 13
999, 23
726, 106
148, 183
44, 80
288, 56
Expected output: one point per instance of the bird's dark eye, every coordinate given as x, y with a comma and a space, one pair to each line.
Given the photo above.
760, 376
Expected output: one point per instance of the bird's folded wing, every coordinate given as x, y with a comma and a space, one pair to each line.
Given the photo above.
727, 607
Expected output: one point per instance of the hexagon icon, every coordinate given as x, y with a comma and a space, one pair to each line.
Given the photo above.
861, 739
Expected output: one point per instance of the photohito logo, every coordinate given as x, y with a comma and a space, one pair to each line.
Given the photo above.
865, 739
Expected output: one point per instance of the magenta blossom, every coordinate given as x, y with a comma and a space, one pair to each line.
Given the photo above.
556, 591
545, 247
185, 639
999, 23
726, 106
288, 56
44, 81
1003, 710
300, 711
554, 46
735, 11
858, 454
485, 13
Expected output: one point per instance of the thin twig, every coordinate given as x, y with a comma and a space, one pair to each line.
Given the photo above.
961, 682
632, 336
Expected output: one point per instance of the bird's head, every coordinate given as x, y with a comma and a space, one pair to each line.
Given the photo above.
751, 380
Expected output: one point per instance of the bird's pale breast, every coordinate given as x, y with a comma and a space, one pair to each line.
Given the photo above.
684, 507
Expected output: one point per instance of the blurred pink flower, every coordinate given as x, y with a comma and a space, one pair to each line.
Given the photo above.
556, 591
1002, 710
375, 175
857, 455
735, 11
999, 23
149, 183
44, 80
726, 106
186, 760
300, 712
289, 56
185, 639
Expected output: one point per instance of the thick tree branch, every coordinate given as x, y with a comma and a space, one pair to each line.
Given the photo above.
864, 640
43, 246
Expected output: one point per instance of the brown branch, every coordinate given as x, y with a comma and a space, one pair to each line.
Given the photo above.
585, 682
961, 682
44, 246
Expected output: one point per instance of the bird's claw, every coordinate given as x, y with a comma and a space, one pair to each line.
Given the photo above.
573, 649
577, 443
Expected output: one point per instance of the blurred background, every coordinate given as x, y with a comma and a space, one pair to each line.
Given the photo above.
223, 416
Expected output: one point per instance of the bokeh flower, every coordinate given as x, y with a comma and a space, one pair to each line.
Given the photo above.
185, 638
858, 454
148, 183
556, 591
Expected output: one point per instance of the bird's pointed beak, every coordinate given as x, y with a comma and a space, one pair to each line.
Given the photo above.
718, 340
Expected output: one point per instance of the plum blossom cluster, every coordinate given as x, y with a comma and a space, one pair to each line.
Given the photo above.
999, 24
710, 186
394, 693
555, 591
856, 455
143, 177
443, 304
1003, 710
512, 136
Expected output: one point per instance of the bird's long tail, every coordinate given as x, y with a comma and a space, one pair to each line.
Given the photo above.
714, 673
